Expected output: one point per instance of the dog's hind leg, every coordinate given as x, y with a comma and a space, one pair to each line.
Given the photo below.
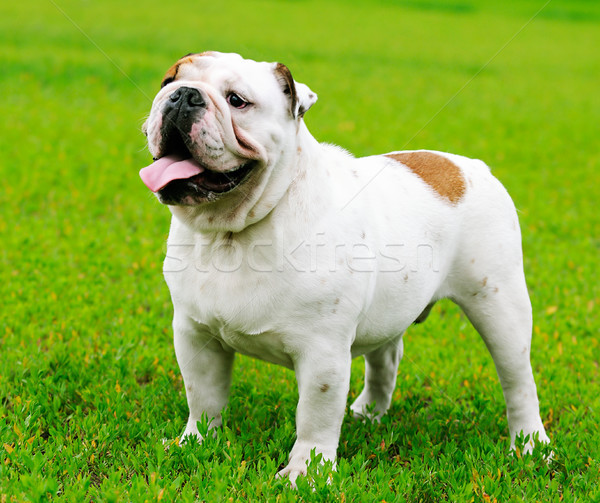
381, 368
500, 310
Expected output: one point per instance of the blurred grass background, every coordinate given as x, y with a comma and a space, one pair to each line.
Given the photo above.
88, 380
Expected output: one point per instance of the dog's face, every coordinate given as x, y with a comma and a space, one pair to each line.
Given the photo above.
218, 128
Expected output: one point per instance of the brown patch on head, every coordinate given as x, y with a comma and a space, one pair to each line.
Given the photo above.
171, 74
441, 174
324, 388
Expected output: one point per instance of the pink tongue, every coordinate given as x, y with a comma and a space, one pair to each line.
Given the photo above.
167, 169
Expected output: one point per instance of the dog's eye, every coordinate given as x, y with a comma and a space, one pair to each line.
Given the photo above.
236, 101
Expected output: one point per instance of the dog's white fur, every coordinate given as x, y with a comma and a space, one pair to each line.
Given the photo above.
320, 257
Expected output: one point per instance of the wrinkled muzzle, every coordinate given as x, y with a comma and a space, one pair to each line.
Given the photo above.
192, 163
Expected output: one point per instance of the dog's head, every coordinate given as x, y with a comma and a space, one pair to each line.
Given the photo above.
218, 129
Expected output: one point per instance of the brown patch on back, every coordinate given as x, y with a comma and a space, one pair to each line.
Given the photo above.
441, 174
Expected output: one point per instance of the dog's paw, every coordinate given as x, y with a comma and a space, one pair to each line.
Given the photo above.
179, 441
193, 437
366, 411
316, 463
525, 445
197, 430
292, 472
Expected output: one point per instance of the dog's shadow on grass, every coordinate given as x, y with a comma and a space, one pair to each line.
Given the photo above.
423, 430
421, 423
417, 422
260, 420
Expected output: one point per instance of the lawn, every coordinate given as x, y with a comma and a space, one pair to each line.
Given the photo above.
89, 385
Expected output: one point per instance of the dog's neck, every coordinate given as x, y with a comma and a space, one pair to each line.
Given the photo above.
252, 204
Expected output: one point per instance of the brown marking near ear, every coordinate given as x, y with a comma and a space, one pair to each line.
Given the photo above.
441, 174
324, 388
171, 74
284, 76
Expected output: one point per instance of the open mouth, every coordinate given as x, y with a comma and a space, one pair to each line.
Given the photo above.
218, 182
176, 174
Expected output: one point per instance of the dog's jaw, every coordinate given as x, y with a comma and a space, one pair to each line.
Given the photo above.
259, 194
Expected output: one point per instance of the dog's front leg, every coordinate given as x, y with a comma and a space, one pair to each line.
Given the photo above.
206, 370
323, 380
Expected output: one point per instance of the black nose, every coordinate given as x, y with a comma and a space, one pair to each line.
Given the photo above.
187, 97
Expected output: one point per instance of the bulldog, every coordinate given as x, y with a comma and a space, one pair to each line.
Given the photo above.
297, 253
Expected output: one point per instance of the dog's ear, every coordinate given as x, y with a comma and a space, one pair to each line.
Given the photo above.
300, 96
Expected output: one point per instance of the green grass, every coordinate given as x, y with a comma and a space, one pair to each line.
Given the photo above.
89, 385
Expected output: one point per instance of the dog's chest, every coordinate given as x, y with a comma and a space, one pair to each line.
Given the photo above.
227, 298
219, 295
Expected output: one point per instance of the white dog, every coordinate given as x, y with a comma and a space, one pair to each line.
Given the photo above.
297, 253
